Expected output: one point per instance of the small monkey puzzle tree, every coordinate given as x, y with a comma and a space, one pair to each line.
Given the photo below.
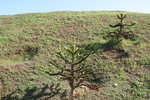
72, 67
122, 30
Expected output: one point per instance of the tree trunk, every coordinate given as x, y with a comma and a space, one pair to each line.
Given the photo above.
71, 94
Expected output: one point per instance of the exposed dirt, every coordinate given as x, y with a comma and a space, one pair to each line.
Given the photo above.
70, 30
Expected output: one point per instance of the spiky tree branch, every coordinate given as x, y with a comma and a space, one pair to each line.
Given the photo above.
74, 69
123, 31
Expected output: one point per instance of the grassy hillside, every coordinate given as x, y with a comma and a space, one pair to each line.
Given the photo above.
20, 68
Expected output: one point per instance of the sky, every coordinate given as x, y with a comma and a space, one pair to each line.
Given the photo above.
12, 7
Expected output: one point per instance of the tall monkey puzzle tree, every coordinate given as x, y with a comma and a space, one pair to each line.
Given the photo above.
72, 67
122, 30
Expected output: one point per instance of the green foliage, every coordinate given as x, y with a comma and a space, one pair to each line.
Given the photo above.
122, 30
126, 53
49, 30
138, 90
73, 69
145, 61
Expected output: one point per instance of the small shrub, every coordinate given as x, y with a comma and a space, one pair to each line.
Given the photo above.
126, 53
73, 67
122, 30
30, 51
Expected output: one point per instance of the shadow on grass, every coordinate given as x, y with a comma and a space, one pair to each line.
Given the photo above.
108, 46
34, 93
92, 47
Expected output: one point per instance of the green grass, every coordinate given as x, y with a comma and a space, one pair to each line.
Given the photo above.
48, 31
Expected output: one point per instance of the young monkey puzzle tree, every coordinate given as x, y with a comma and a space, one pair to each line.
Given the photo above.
122, 32
72, 67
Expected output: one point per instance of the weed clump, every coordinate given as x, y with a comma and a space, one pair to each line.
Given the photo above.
30, 51
126, 53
